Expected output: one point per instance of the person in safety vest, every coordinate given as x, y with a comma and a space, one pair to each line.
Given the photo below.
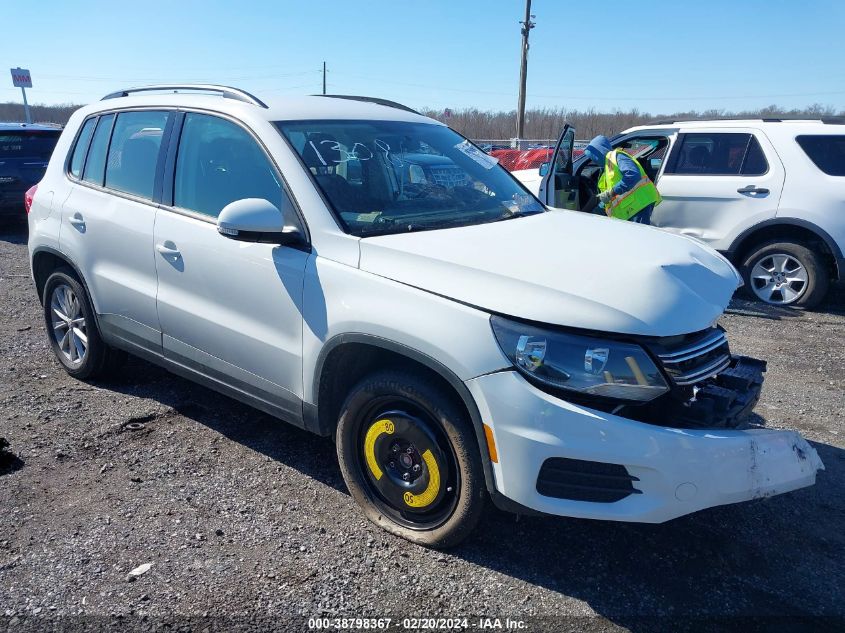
625, 192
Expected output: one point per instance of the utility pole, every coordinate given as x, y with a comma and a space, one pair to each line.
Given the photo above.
324, 77
527, 25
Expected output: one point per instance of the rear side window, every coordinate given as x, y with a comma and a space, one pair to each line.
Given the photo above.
133, 152
37, 144
219, 162
826, 151
95, 165
718, 154
755, 161
77, 161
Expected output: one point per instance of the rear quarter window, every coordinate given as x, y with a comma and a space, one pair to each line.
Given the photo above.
77, 160
95, 165
827, 151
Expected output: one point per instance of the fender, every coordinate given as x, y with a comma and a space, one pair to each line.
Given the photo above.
310, 410
804, 224
70, 264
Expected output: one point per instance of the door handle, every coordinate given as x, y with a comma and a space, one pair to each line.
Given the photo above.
76, 219
752, 189
168, 251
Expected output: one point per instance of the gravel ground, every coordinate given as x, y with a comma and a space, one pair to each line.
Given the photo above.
241, 515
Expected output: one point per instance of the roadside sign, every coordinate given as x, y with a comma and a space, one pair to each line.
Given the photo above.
447, 113
21, 78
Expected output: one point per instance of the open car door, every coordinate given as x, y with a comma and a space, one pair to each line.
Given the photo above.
559, 187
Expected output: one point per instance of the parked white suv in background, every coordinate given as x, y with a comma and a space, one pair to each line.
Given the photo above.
364, 272
768, 193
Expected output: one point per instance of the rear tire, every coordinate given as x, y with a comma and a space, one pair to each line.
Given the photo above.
72, 329
786, 274
393, 416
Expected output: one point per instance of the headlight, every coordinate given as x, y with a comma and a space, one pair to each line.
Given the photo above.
581, 364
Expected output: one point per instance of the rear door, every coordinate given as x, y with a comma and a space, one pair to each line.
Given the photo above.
718, 182
559, 188
109, 216
230, 310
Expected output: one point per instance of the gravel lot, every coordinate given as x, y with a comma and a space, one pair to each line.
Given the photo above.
242, 515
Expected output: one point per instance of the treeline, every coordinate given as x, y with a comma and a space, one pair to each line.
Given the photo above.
544, 123
10, 111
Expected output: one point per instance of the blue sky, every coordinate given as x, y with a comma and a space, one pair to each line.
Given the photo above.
441, 53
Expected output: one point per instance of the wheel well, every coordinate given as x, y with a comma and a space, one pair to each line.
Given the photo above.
789, 233
43, 265
348, 363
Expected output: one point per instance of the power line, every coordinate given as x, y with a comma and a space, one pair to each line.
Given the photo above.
592, 98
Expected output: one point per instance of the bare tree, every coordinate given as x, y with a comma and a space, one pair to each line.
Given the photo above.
546, 123
540, 123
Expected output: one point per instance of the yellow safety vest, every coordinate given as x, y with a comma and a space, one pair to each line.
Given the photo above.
628, 204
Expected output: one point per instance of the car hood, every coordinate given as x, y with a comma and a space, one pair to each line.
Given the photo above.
565, 268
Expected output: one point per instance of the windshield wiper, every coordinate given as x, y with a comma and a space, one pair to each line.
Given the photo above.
510, 215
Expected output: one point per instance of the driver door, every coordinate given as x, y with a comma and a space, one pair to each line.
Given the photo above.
230, 310
559, 188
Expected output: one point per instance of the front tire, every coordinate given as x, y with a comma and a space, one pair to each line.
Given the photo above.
72, 328
409, 457
786, 274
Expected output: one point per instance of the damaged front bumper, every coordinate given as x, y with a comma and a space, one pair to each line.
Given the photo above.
560, 458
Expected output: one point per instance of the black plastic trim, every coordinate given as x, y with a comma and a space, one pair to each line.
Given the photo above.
376, 100
582, 480
170, 160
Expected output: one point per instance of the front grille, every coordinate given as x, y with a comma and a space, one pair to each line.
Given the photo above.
695, 358
580, 480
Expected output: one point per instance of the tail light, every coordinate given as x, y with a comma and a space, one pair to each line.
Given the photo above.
28, 197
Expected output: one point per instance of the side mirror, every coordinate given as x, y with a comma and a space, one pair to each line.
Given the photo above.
544, 168
256, 220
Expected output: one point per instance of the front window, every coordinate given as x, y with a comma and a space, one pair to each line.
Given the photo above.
718, 154
218, 163
391, 177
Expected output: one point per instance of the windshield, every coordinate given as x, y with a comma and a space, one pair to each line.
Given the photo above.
393, 176
28, 143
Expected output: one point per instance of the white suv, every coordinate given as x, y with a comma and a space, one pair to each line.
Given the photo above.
768, 193
364, 272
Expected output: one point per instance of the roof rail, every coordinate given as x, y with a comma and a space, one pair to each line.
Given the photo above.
376, 100
224, 91
830, 120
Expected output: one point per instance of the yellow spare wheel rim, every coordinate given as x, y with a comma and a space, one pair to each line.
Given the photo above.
410, 467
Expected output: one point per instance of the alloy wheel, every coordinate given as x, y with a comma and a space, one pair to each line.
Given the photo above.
68, 324
779, 279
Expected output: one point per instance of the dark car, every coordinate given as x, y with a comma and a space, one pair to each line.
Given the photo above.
25, 150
